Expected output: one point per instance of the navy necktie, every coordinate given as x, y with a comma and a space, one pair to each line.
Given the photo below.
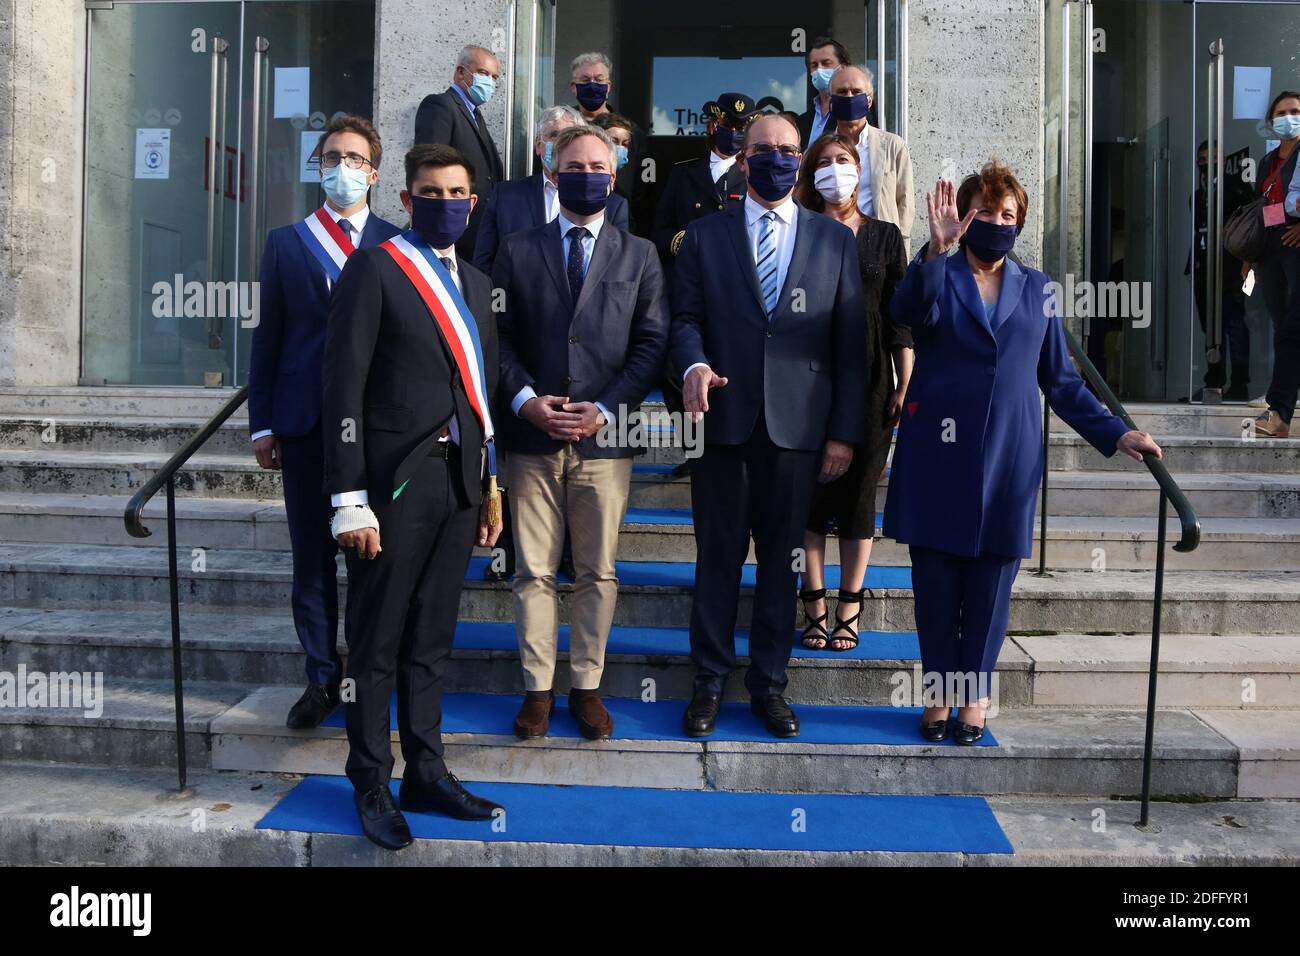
575, 266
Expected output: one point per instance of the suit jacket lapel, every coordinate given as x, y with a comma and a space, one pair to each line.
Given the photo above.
1013, 284
968, 293
740, 245
370, 234
553, 251
799, 257
701, 173
604, 250
537, 198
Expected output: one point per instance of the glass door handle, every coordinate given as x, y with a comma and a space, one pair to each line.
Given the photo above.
260, 47
216, 184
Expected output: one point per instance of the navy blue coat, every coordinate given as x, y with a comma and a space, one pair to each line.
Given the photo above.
975, 493
608, 347
517, 205
284, 375
807, 370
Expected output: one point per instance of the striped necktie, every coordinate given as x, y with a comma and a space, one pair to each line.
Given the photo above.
766, 262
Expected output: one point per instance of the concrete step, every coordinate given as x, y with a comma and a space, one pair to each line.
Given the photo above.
81, 816
1179, 418
649, 534
134, 401
255, 646
1195, 602
160, 436
1038, 751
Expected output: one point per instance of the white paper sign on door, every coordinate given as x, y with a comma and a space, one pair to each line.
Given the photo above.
292, 86
153, 153
1250, 91
308, 164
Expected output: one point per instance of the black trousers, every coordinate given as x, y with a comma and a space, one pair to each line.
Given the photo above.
1278, 274
737, 490
400, 621
315, 597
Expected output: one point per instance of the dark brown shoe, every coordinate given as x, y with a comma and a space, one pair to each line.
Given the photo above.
593, 719
534, 716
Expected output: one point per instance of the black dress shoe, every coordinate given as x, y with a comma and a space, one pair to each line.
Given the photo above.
702, 714
445, 795
935, 730
317, 702
381, 821
966, 734
496, 576
777, 715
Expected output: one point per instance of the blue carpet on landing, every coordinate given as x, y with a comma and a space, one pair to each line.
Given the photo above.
682, 516
713, 819
675, 642
635, 719
681, 574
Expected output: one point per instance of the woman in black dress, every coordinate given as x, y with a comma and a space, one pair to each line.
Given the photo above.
846, 507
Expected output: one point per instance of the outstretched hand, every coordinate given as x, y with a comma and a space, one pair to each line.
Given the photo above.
946, 226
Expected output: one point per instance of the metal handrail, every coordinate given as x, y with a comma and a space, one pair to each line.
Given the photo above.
166, 477
1190, 538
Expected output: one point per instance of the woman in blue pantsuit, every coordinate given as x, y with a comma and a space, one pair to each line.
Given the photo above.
968, 461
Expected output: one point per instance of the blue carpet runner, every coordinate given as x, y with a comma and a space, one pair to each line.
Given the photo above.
675, 642
625, 816
681, 574
682, 516
635, 719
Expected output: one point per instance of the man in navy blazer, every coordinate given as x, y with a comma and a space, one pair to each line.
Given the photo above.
299, 269
769, 327
533, 201
455, 118
583, 334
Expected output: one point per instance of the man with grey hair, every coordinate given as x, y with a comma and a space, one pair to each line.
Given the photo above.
591, 77
455, 118
885, 187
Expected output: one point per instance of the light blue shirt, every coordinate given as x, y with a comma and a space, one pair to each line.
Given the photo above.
464, 98
819, 121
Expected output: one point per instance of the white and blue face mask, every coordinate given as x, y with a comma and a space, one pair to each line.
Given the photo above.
621, 152
481, 90
821, 78
1287, 127
344, 185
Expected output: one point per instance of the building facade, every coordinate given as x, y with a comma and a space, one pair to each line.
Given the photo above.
151, 143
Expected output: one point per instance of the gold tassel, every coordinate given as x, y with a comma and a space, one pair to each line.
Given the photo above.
492, 503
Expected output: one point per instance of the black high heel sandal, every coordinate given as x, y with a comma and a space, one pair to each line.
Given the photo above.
848, 624
815, 623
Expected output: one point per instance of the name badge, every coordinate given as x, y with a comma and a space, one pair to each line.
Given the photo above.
1274, 215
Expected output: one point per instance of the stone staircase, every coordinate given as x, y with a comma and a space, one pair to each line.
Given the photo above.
77, 593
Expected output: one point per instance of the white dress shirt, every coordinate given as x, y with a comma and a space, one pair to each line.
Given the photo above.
358, 222
720, 165
362, 497
784, 227
550, 198
866, 200
588, 246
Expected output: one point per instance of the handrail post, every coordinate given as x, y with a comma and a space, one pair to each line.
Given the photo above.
1042, 503
174, 579
1143, 821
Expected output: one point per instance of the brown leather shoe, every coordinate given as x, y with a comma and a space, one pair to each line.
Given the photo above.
534, 716
1270, 425
592, 717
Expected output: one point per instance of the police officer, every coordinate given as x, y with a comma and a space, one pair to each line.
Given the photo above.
707, 184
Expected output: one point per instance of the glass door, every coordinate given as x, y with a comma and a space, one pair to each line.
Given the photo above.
201, 118
531, 54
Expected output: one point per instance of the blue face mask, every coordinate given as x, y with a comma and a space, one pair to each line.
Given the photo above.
727, 141
345, 186
821, 79
849, 108
440, 222
621, 151
592, 96
772, 174
548, 155
583, 193
1287, 127
989, 241
481, 90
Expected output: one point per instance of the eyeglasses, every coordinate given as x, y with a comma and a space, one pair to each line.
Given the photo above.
785, 149
353, 160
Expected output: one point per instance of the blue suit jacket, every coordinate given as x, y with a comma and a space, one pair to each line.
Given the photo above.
968, 460
807, 369
284, 376
607, 347
517, 205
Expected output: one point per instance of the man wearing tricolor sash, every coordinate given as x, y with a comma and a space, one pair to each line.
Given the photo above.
300, 269
410, 465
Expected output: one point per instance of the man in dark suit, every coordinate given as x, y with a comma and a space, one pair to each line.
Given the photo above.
583, 333
707, 184
825, 56
455, 118
591, 78
520, 204
410, 360
769, 325
301, 263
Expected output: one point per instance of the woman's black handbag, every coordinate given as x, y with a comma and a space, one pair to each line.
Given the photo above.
1244, 234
